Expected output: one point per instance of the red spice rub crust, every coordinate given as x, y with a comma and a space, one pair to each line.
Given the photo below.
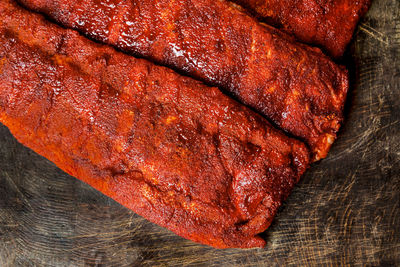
329, 24
297, 87
175, 151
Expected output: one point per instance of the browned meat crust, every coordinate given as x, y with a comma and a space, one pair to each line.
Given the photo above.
297, 87
327, 23
177, 152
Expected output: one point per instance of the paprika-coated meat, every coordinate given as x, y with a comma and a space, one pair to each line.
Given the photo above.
172, 149
329, 24
297, 87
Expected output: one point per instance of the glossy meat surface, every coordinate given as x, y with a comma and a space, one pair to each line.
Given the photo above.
297, 87
175, 151
329, 24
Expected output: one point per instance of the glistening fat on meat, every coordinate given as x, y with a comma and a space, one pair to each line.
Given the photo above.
297, 87
175, 151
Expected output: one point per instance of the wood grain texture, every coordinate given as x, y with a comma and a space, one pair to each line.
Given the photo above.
345, 211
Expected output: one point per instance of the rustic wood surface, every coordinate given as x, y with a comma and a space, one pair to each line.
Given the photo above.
345, 211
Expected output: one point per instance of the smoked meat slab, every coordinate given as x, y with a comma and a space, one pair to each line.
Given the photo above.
329, 24
295, 86
177, 152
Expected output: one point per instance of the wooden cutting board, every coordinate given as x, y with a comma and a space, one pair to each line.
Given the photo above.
346, 209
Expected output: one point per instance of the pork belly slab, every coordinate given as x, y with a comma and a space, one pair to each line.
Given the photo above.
175, 151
